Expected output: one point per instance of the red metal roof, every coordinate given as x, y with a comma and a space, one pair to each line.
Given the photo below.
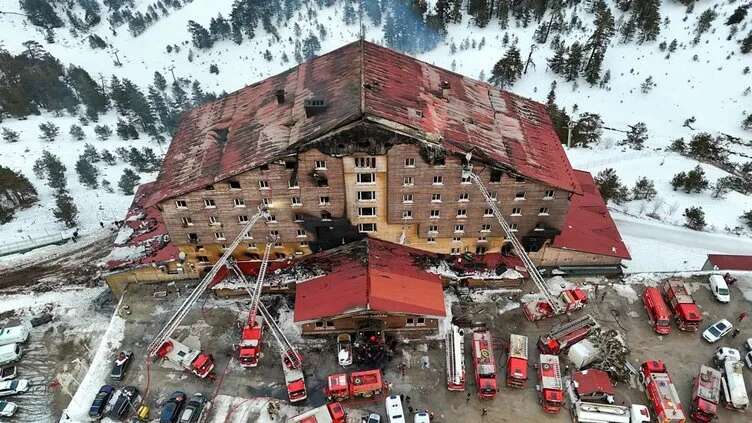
588, 226
362, 81
730, 262
148, 233
593, 382
369, 275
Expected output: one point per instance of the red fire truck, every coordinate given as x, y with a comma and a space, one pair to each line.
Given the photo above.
569, 300
706, 392
455, 355
658, 312
485, 364
249, 349
686, 313
550, 386
197, 362
517, 361
363, 384
661, 392
330, 413
563, 336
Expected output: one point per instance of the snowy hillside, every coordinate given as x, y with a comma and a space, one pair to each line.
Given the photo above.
706, 81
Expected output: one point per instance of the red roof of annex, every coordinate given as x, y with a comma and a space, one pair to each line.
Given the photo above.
730, 261
362, 82
369, 275
588, 226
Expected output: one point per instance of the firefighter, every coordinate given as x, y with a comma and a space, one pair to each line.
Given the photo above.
742, 316
736, 332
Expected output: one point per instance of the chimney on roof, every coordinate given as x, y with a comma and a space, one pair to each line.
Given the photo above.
445, 87
314, 106
280, 96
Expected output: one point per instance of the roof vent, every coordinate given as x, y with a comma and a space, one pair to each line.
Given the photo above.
280, 96
445, 86
314, 106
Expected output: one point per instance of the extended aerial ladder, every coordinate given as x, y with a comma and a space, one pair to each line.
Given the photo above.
519, 250
164, 346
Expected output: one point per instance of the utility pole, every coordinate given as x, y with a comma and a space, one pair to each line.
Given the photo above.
569, 134
172, 71
101, 78
117, 59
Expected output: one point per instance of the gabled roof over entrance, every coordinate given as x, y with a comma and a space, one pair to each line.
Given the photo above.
362, 82
369, 275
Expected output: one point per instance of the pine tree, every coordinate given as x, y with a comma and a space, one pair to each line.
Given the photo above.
372, 9
348, 14
66, 210
573, 62
179, 97
128, 181
678, 180
103, 132
76, 132
746, 217
644, 189
10, 135
695, 180
746, 46
159, 81
722, 186
610, 186
200, 36
557, 62
704, 22
739, 14
87, 173
695, 218
311, 46
50, 131
50, 167
40, 13
636, 137
107, 157
598, 41
17, 192
507, 70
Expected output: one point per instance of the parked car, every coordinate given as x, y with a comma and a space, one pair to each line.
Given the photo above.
725, 353
344, 350
193, 409
13, 334
10, 353
123, 401
172, 408
8, 373
96, 411
394, 411
748, 359
7, 408
122, 361
717, 331
748, 344
374, 418
421, 417
719, 288
13, 387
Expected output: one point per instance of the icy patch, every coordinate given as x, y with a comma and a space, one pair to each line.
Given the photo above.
626, 291
126, 253
286, 322
124, 234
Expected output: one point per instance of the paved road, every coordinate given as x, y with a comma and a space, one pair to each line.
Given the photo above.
660, 247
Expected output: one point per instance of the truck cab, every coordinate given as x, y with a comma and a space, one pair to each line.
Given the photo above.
517, 361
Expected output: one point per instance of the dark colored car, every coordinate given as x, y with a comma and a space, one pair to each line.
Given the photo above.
193, 409
100, 401
172, 408
125, 402
122, 361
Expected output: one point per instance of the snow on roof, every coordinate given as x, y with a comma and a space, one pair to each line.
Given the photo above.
142, 238
730, 262
368, 275
588, 226
362, 82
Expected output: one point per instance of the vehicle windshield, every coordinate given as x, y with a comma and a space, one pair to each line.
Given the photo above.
723, 291
714, 331
662, 323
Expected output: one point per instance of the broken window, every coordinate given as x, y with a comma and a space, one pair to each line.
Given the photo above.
186, 221
290, 165
319, 325
321, 181
366, 195
365, 162
234, 184
519, 179
520, 195
209, 203
366, 178
325, 215
440, 161
266, 201
209, 187
366, 227
410, 321
495, 176
264, 167
493, 196
366, 211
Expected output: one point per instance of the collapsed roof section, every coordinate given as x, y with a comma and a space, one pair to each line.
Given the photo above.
368, 275
362, 83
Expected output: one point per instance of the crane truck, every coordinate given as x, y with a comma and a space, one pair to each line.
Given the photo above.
165, 347
549, 305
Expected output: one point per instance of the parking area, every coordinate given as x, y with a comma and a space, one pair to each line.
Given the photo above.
215, 327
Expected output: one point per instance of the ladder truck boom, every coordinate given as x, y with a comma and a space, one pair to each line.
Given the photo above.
535, 275
193, 297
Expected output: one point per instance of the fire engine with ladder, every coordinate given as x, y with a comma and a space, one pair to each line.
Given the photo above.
165, 347
686, 313
484, 364
706, 393
517, 361
455, 357
550, 305
550, 386
563, 336
661, 392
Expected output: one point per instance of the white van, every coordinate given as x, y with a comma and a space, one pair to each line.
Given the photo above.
394, 409
719, 288
422, 417
10, 353
13, 334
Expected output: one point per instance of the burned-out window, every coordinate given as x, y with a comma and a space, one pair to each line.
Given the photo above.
202, 259
495, 176
365, 162
181, 204
325, 215
234, 184
366, 227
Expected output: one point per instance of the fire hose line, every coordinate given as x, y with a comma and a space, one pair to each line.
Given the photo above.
233, 408
147, 360
221, 379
